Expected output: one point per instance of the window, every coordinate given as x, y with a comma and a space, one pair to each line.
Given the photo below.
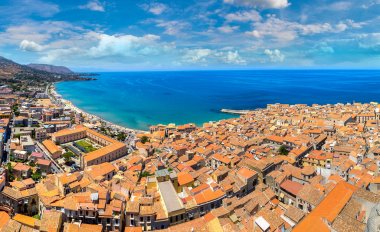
148, 219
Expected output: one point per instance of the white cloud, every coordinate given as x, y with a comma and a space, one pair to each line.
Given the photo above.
227, 29
263, 4
369, 41
197, 55
40, 32
21, 9
94, 47
173, 27
124, 45
52, 56
233, 57
339, 6
31, 46
155, 8
207, 56
274, 55
370, 4
243, 16
93, 5
286, 31
322, 47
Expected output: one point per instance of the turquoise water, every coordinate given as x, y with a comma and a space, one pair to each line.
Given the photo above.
140, 99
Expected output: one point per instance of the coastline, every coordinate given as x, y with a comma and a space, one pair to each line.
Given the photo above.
56, 97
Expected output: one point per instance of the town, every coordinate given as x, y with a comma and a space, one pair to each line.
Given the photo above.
282, 168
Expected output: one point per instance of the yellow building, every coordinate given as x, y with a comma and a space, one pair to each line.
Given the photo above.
111, 150
318, 158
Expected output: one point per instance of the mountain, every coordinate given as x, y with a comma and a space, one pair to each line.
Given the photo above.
12, 72
51, 68
8, 67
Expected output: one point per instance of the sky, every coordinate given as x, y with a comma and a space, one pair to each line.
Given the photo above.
123, 35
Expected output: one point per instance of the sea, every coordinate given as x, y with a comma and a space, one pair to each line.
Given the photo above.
140, 99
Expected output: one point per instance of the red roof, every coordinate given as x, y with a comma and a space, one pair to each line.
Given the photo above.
291, 187
184, 178
43, 162
328, 209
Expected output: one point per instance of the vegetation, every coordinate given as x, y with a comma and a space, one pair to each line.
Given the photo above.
15, 108
37, 175
86, 147
16, 136
145, 174
10, 175
37, 216
121, 136
68, 156
32, 164
283, 150
144, 139
13, 159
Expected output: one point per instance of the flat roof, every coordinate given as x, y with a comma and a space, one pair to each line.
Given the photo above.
171, 199
163, 172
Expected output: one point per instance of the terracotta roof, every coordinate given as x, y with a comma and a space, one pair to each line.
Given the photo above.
4, 218
328, 209
70, 131
246, 172
43, 162
26, 220
208, 195
133, 229
21, 167
68, 227
221, 158
291, 187
184, 178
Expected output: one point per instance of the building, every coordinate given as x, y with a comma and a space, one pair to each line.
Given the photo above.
111, 150
21, 197
53, 149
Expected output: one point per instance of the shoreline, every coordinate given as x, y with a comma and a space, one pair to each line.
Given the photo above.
55, 96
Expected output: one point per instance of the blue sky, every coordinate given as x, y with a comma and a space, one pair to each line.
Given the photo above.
118, 35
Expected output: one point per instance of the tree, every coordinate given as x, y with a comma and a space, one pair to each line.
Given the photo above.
16, 136
67, 156
36, 175
10, 175
121, 136
145, 174
283, 151
144, 139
